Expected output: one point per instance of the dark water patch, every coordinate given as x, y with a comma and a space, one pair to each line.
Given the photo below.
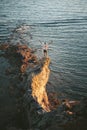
3, 15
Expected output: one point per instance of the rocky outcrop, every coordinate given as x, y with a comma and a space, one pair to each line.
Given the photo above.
38, 85
28, 77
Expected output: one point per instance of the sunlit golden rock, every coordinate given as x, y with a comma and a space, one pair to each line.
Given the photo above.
38, 85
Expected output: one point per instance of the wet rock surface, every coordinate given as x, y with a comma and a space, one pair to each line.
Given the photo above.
19, 109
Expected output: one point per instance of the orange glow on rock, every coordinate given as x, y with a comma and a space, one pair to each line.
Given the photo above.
38, 85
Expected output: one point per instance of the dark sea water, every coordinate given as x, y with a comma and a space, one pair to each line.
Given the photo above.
62, 21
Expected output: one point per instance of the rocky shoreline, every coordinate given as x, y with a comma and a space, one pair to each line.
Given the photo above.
40, 109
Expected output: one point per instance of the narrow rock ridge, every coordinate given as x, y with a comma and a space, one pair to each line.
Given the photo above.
37, 71
38, 85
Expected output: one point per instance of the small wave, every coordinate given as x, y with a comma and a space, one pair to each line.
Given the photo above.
61, 22
23, 28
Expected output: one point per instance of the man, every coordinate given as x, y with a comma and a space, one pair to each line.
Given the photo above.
45, 49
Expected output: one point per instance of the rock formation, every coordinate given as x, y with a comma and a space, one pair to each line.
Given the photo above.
38, 85
28, 77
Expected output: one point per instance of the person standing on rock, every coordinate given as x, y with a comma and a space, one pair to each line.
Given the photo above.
45, 49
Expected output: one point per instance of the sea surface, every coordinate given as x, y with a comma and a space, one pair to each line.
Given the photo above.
62, 24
